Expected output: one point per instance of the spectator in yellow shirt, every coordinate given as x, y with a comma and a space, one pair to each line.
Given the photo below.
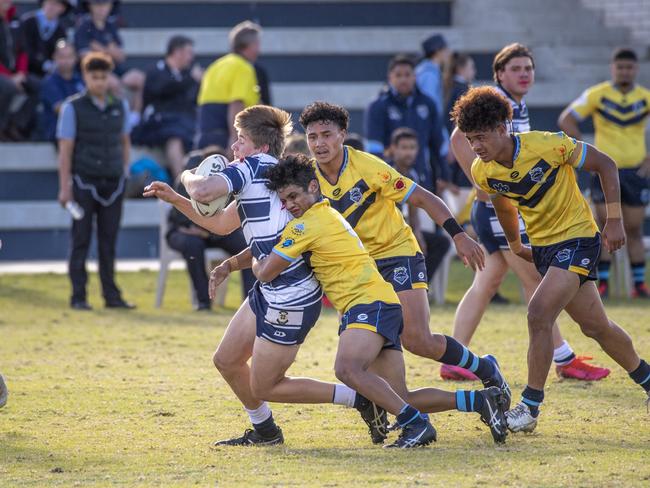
229, 86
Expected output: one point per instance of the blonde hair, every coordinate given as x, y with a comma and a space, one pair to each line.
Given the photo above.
243, 34
265, 125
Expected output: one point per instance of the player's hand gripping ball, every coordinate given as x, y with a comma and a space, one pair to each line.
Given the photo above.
210, 166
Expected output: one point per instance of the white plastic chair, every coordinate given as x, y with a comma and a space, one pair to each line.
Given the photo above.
440, 279
620, 275
167, 255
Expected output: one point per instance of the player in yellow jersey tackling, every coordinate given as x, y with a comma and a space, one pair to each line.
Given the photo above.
365, 190
620, 110
369, 357
533, 172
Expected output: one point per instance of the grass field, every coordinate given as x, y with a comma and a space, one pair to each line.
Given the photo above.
132, 399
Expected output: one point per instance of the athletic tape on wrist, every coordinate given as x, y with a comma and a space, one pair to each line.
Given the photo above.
452, 227
614, 210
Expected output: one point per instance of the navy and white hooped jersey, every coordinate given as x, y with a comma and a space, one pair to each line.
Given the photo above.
520, 119
263, 218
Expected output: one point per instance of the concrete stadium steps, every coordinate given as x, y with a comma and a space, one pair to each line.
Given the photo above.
275, 13
54, 244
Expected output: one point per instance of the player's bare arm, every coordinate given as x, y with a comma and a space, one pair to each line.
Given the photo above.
601, 164
204, 189
269, 268
509, 220
222, 223
466, 247
569, 123
66, 148
243, 260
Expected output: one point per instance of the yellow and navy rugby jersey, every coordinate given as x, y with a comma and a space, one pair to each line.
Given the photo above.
365, 194
542, 186
346, 272
619, 120
228, 79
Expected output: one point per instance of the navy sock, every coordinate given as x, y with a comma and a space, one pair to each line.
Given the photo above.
268, 428
360, 401
469, 401
533, 398
407, 415
638, 273
641, 375
603, 271
458, 355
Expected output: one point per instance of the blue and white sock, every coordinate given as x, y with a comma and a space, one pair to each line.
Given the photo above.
469, 401
458, 355
344, 395
638, 273
641, 375
533, 398
407, 415
563, 354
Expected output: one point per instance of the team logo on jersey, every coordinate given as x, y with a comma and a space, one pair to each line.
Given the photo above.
283, 317
394, 113
385, 177
298, 228
399, 184
336, 192
501, 187
585, 262
423, 111
287, 243
563, 255
514, 175
400, 275
356, 195
536, 174
362, 317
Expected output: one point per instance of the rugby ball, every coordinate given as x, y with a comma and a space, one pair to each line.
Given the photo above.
210, 166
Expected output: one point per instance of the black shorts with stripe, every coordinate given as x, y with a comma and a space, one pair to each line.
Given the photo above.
579, 256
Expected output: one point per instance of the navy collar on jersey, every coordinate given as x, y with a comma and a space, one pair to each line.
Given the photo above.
341, 169
519, 104
517, 148
615, 87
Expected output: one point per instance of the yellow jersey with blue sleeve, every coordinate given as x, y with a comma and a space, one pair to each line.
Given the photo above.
365, 193
230, 78
619, 120
342, 265
542, 185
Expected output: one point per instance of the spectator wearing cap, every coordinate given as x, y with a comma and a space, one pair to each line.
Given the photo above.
229, 85
170, 91
401, 104
41, 29
64, 82
429, 71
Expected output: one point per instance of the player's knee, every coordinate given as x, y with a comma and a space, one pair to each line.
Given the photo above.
223, 361
347, 371
262, 389
538, 318
593, 327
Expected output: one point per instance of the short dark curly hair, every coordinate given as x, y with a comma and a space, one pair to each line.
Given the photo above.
482, 108
295, 169
325, 112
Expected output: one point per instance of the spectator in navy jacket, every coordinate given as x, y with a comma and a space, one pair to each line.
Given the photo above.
402, 104
41, 29
170, 91
63, 83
